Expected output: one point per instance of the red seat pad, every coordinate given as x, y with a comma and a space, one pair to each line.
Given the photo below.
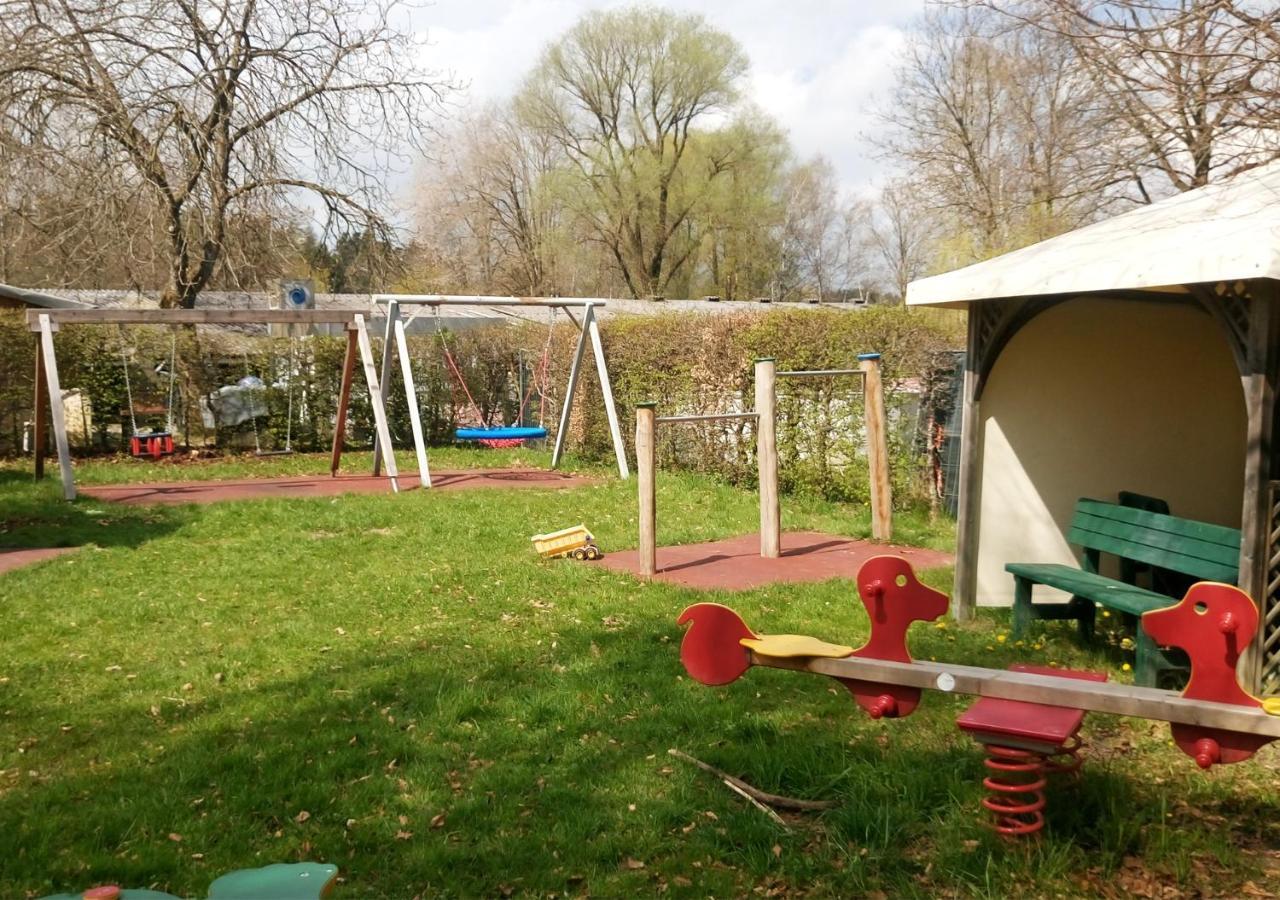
1017, 723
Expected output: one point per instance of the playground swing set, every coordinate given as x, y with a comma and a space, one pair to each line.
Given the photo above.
764, 416
154, 443
395, 342
52, 416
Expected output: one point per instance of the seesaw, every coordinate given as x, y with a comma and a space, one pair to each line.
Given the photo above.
1028, 717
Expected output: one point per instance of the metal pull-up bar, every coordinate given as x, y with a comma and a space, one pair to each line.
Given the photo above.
765, 417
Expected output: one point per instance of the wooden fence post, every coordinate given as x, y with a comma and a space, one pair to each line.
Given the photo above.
646, 461
767, 457
877, 447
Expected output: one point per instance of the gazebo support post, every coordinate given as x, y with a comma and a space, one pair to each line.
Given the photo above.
1259, 382
965, 586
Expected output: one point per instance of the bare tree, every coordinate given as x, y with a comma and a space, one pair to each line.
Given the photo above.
217, 109
621, 94
815, 229
902, 237
996, 130
1191, 88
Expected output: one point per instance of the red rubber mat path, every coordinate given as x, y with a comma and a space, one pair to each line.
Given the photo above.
16, 559
324, 486
735, 564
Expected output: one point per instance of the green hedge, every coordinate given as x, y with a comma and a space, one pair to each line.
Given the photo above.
687, 363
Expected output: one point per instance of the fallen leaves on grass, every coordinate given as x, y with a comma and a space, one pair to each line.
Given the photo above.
630, 863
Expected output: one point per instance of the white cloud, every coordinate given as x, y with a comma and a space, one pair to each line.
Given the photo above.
816, 66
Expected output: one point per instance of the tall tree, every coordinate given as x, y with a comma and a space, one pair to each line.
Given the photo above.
621, 94
218, 107
996, 130
1190, 88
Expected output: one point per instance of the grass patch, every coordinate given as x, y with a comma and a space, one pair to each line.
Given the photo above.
398, 686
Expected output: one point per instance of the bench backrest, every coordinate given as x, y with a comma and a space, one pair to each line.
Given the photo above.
1200, 549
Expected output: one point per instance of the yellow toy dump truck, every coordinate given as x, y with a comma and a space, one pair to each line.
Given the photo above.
575, 542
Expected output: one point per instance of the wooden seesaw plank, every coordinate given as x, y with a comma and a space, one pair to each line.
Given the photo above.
1121, 700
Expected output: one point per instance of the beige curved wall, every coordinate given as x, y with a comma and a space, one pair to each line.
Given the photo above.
1097, 396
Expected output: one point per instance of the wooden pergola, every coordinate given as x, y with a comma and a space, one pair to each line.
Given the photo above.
1216, 249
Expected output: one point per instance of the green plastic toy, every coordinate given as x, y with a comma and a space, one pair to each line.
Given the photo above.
280, 881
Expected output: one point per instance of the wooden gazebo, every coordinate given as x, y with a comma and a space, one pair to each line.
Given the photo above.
1137, 354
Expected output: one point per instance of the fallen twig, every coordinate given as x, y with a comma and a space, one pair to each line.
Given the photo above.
757, 804
765, 797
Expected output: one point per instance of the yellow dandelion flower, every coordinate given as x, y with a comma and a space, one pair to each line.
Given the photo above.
1001, 638
1126, 668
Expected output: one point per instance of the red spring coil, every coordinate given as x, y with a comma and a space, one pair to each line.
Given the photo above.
1016, 784
1067, 759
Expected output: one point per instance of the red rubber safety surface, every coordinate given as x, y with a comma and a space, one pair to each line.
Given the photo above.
735, 564
16, 559
325, 486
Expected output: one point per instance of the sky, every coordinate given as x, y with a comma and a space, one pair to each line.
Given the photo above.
816, 67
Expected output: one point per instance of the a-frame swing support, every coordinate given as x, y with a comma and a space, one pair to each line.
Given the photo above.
588, 331
44, 324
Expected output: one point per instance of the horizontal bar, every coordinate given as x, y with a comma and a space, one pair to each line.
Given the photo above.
814, 373
466, 300
711, 418
1094, 696
153, 316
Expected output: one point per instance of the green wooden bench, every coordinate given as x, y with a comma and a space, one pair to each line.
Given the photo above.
1142, 540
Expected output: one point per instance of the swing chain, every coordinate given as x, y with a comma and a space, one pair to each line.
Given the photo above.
128, 389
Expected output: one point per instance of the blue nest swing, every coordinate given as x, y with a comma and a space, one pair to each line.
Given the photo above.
510, 433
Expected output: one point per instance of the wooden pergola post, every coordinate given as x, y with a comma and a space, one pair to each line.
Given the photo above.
646, 463
877, 447
1258, 379
964, 592
767, 457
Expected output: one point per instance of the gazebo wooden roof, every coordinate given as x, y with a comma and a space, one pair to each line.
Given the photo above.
1218, 248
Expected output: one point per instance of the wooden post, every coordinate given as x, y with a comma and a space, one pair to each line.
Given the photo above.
58, 414
375, 400
562, 433
646, 463
606, 389
964, 594
411, 395
1259, 385
344, 400
877, 447
38, 438
384, 381
767, 457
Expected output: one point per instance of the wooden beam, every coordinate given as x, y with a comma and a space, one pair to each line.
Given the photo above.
384, 374
344, 400
38, 438
58, 416
767, 457
646, 466
965, 586
1259, 383
411, 397
487, 300
606, 390
710, 417
375, 400
562, 433
192, 316
1093, 696
877, 447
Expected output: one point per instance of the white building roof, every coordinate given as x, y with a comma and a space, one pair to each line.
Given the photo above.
1228, 231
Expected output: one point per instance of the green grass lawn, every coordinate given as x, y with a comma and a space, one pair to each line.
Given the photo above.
398, 686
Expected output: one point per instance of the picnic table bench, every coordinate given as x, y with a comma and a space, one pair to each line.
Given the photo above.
1140, 539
